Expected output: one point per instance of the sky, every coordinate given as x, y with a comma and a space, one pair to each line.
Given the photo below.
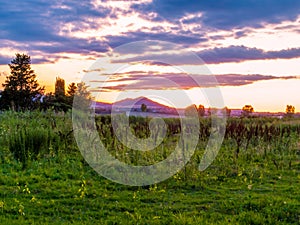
177, 52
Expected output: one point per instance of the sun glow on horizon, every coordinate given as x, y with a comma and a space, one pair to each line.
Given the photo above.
254, 54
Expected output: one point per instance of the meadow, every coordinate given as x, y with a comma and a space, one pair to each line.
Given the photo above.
255, 178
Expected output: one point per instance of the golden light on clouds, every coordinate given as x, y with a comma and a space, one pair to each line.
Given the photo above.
66, 38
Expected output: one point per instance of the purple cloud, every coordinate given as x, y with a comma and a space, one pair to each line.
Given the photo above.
138, 80
214, 56
225, 14
243, 53
38, 25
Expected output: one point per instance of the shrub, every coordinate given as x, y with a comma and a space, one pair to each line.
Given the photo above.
27, 143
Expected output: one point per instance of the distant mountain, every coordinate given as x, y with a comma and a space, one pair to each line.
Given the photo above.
137, 102
134, 104
101, 105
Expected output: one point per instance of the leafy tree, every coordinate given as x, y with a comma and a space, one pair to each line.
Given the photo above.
71, 93
21, 89
48, 101
227, 111
247, 110
57, 101
60, 88
201, 110
144, 107
83, 97
60, 103
212, 111
209, 111
72, 89
290, 110
82, 91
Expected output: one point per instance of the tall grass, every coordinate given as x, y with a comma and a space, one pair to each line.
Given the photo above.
28, 143
32, 135
259, 185
29, 136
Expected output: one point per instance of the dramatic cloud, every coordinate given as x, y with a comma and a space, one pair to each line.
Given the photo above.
36, 24
139, 80
214, 56
4, 60
49, 29
184, 40
243, 53
40, 20
163, 59
225, 14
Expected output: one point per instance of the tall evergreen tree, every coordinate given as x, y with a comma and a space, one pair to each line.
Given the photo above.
71, 93
71, 89
61, 102
60, 88
21, 89
83, 97
57, 100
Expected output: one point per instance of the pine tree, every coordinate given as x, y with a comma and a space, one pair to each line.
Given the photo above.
71, 93
71, 89
60, 88
21, 89
82, 97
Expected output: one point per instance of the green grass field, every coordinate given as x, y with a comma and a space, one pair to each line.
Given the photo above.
255, 178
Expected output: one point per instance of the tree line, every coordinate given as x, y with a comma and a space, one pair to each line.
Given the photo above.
23, 92
246, 111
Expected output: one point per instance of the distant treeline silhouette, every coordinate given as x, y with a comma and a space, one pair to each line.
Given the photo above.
22, 91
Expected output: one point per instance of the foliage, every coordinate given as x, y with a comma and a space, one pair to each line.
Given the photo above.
82, 97
31, 135
72, 89
57, 101
259, 186
213, 111
71, 93
247, 110
60, 101
60, 88
201, 110
28, 143
290, 110
21, 89
227, 111
144, 108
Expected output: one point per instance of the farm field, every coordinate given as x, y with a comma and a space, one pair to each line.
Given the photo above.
255, 178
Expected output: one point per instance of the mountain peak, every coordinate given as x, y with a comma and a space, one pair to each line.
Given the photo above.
137, 102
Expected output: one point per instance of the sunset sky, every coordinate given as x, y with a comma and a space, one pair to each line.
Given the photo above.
250, 47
